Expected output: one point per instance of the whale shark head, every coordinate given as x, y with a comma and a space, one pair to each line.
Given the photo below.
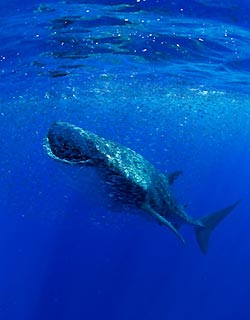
66, 143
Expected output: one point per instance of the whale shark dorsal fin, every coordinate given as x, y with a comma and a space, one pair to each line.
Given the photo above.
162, 220
172, 176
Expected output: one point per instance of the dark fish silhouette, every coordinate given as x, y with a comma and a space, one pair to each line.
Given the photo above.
131, 179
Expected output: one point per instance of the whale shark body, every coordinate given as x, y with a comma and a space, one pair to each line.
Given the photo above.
131, 180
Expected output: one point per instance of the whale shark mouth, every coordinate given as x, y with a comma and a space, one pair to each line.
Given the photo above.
66, 144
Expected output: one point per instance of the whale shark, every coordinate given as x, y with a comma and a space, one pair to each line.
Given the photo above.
131, 180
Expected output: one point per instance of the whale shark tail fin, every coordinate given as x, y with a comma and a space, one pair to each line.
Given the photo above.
208, 223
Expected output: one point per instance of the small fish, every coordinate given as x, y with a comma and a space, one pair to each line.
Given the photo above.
132, 180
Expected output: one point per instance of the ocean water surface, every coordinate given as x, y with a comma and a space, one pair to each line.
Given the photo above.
169, 79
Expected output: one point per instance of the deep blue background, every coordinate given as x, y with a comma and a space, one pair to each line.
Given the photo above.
62, 255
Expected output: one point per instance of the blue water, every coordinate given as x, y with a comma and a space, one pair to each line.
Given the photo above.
171, 81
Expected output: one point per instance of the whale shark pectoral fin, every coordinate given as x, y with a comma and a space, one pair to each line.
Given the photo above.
172, 176
162, 220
